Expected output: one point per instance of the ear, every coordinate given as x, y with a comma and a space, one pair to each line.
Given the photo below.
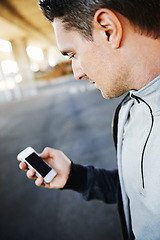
109, 25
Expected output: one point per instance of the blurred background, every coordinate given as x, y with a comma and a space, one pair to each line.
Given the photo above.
28, 51
42, 105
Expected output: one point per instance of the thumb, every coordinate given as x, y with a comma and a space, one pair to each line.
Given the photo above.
45, 153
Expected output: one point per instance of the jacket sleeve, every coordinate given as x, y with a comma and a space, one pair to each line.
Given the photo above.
93, 183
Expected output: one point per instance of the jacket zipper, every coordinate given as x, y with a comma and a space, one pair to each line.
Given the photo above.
144, 148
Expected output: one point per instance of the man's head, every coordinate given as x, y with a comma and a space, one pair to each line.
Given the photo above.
143, 14
105, 40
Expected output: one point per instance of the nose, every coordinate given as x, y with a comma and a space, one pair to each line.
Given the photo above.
77, 70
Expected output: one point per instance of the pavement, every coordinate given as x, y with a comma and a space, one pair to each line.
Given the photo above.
71, 116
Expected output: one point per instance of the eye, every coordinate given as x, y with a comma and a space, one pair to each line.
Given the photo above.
71, 56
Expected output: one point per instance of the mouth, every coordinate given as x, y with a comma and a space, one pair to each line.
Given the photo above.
92, 82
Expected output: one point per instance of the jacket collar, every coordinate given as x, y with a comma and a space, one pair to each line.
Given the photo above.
150, 94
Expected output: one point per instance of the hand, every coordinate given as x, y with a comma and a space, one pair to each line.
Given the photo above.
58, 161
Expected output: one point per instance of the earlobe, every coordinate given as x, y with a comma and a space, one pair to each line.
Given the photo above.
107, 21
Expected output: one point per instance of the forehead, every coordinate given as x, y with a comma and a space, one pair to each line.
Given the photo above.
66, 38
59, 26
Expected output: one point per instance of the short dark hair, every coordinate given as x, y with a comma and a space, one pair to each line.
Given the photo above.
78, 14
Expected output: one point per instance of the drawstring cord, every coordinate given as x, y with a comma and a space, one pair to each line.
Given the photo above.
152, 117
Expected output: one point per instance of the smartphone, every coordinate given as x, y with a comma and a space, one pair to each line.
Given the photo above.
32, 159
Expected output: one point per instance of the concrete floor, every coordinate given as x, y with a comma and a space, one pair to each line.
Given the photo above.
71, 116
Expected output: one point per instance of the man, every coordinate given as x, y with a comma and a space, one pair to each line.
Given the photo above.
116, 45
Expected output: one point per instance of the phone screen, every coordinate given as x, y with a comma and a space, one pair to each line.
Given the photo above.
37, 163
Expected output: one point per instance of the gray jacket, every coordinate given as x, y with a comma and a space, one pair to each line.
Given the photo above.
138, 154
136, 184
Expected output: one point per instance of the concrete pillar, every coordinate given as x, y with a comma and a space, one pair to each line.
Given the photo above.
45, 63
7, 96
27, 85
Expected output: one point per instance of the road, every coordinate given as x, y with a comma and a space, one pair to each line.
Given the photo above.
67, 115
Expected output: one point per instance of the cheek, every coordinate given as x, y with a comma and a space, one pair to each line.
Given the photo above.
95, 63
89, 59
92, 66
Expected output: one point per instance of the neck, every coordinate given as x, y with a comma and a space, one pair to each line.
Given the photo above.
142, 54
146, 61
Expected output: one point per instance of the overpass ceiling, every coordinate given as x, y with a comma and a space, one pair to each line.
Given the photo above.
23, 19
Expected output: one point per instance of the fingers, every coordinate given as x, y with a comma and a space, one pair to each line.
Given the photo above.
23, 166
40, 182
31, 174
49, 155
